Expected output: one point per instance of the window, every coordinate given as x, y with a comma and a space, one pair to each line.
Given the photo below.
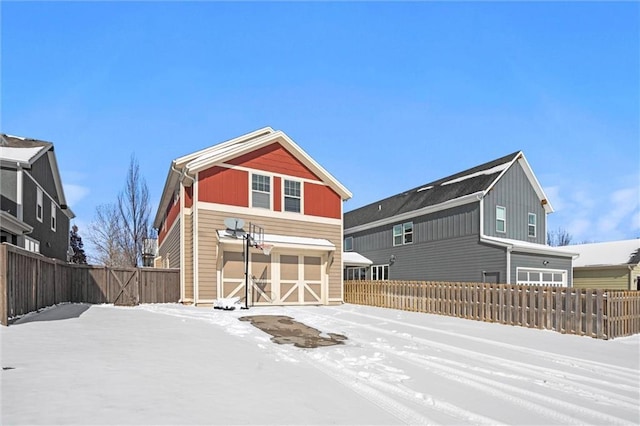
501, 219
31, 245
53, 216
532, 225
292, 196
348, 244
542, 277
355, 273
261, 191
403, 234
39, 204
380, 272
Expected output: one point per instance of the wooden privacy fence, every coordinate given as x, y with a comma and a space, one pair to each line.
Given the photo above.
601, 314
29, 282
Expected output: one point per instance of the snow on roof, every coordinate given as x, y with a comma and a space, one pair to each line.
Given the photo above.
607, 253
284, 240
529, 247
351, 258
23, 155
490, 171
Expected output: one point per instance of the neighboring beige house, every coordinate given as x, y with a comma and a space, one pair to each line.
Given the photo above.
613, 265
264, 184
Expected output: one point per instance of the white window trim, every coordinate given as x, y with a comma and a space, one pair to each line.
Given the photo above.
403, 234
54, 221
504, 209
380, 267
31, 244
270, 176
541, 282
534, 225
345, 243
283, 196
39, 204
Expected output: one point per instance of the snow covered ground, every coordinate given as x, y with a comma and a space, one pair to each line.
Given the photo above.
173, 364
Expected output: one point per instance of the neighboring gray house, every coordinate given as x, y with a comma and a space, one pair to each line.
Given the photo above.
33, 211
485, 224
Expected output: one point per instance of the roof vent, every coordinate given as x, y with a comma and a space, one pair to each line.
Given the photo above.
379, 207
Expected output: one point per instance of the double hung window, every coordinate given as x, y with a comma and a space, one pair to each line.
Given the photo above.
532, 225
501, 219
39, 209
261, 191
403, 234
292, 196
348, 244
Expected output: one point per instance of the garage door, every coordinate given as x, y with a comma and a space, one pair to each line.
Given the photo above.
300, 279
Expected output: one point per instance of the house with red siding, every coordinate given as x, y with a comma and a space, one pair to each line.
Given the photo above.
254, 217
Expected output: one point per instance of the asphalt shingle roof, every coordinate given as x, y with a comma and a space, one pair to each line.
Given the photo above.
478, 178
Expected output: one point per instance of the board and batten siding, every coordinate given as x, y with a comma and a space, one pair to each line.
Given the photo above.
536, 261
514, 192
212, 220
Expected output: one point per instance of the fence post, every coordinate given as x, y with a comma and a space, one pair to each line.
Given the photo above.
4, 286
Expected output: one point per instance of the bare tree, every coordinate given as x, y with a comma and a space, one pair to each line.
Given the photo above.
134, 209
105, 233
559, 237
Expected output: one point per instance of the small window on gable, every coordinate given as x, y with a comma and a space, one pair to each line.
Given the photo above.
261, 191
403, 234
532, 225
39, 204
292, 196
53, 216
501, 219
348, 244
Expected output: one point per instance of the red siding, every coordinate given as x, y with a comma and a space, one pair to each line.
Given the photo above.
320, 200
188, 196
224, 186
172, 214
275, 159
277, 194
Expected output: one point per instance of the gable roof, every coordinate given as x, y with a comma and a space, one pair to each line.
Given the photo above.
460, 188
188, 165
16, 151
611, 253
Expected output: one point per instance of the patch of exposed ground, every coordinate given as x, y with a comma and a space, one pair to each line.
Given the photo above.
287, 330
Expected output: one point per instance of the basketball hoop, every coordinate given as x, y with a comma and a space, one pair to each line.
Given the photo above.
266, 248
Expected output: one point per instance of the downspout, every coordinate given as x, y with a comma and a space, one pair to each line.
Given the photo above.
194, 230
19, 189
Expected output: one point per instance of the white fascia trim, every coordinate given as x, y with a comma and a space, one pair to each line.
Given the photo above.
13, 225
206, 151
306, 247
549, 251
56, 177
532, 179
415, 213
279, 136
240, 211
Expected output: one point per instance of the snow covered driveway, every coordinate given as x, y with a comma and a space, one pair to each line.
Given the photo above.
173, 364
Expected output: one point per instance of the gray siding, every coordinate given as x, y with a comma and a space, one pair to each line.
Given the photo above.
445, 247
52, 243
41, 172
8, 187
535, 261
457, 222
514, 192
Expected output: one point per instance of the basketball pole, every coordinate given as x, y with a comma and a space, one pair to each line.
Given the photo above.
246, 270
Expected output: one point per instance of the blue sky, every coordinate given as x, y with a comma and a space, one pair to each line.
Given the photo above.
385, 95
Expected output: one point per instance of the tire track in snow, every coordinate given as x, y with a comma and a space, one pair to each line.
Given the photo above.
631, 375
352, 380
471, 379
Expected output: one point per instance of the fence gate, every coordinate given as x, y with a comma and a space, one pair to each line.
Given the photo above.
126, 286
